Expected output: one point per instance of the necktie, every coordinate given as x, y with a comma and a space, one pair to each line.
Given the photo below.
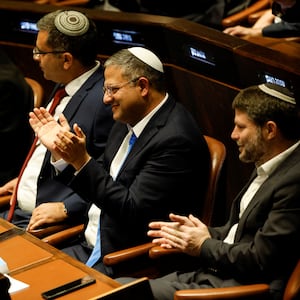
131, 142
124, 150
60, 93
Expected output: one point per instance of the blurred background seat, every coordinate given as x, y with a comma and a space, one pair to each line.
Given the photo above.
242, 17
38, 94
63, 2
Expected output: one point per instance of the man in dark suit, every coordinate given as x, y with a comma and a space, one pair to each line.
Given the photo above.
166, 169
16, 102
65, 49
260, 243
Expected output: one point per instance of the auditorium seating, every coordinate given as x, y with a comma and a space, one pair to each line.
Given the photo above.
205, 68
242, 17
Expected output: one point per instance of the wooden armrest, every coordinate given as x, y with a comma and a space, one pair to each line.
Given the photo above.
158, 252
69, 2
4, 200
124, 255
242, 16
43, 232
255, 291
64, 235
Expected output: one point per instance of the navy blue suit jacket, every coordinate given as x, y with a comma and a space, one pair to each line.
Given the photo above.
86, 108
166, 171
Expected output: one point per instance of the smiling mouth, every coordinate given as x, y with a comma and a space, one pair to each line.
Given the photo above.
114, 107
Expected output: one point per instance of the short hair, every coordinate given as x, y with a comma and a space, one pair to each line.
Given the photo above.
262, 107
133, 68
83, 47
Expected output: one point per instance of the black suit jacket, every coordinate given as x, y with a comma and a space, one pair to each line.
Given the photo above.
267, 240
289, 27
88, 110
16, 101
166, 171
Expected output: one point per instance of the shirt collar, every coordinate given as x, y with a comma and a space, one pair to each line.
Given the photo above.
139, 127
268, 167
73, 86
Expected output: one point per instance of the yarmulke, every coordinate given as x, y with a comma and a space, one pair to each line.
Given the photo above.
279, 92
147, 57
72, 23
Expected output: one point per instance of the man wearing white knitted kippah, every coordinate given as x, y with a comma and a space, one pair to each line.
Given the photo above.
152, 163
260, 242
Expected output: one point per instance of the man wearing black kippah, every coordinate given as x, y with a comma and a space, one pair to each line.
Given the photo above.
260, 241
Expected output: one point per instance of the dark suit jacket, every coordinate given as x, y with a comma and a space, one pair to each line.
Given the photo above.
289, 27
267, 240
88, 110
16, 101
166, 171
282, 30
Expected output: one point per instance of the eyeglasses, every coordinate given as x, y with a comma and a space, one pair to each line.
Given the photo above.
36, 52
111, 90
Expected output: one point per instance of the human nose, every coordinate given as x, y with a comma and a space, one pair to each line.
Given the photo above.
107, 98
36, 57
234, 134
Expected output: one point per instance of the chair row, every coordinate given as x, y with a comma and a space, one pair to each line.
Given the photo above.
240, 17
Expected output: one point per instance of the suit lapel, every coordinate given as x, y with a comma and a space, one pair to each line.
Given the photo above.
74, 104
80, 95
278, 173
158, 120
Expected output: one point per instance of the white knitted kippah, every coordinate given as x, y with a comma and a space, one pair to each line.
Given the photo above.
147, 57
272, 91
72, 23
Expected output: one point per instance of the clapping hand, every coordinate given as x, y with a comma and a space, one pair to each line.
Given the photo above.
184, 233
58, 138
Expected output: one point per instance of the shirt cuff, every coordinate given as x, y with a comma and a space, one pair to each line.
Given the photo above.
59, 165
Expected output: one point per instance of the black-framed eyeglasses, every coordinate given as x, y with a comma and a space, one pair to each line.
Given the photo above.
36, 52
112, 89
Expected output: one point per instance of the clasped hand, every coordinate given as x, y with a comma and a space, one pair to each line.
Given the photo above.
58, 139
184, 233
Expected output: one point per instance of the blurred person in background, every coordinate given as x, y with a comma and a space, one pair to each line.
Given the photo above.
281, 21
16, 102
